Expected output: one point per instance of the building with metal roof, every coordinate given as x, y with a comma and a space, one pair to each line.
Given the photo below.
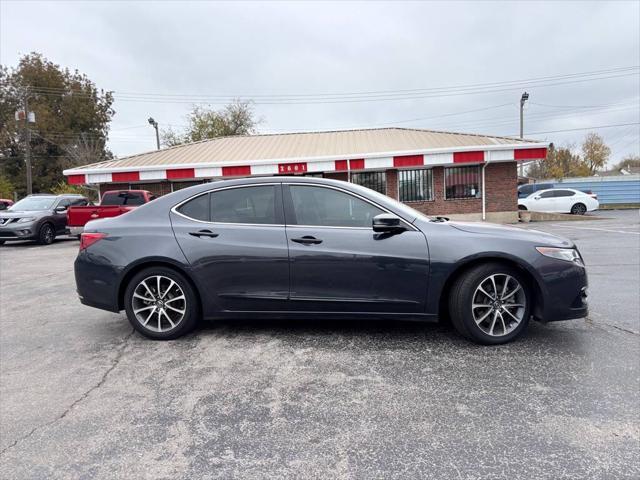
436, 172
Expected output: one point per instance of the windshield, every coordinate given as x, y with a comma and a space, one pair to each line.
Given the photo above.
33, 204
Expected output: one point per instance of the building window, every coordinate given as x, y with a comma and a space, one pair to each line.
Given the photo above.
415, 185
462, 182
374, 180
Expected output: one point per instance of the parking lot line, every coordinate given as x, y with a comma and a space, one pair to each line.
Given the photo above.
594, 228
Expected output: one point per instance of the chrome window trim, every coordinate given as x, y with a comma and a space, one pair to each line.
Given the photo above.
332, 187
174, 209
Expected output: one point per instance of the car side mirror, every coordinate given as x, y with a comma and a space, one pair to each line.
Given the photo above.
387, 223
60, 209
537, 197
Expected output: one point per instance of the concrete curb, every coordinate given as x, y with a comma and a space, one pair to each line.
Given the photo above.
527, 216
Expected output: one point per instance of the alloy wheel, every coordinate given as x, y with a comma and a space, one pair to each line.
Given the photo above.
499, 304
48, 234
579, 209
159, 303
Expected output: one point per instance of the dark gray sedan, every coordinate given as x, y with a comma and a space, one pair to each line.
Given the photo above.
299, 246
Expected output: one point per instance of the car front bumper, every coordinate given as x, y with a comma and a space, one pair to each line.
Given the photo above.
564, 291
18, 231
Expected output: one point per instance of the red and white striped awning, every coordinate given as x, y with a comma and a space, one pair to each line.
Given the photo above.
489, 154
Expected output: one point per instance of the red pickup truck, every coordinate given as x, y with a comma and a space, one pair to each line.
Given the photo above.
114, 203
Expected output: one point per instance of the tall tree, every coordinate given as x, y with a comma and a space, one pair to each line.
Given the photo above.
71, 114
560, 162
237, 118
595, 152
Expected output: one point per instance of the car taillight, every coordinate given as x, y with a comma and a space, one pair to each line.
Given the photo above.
88, 239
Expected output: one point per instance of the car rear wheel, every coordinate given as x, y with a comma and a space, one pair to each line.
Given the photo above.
579, 209
46, 235
490, 304
161, 304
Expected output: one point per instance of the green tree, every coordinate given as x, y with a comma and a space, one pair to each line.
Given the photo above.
237, 118
560, 163
70, 111
595, 152
6, 188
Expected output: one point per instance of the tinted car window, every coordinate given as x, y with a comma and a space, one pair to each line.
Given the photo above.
548, 194
65, 202
197, 208
563, 193
80, 202
331, 208
244, 205
123, 198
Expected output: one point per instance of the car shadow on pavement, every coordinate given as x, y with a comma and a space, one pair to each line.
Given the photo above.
383, 333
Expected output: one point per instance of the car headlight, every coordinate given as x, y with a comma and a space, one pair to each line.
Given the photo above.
566, 254
26, 219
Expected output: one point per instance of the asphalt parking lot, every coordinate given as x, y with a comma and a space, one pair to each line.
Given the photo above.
82, 396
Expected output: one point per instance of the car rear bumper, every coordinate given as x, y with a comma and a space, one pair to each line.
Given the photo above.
75, 230
96, 282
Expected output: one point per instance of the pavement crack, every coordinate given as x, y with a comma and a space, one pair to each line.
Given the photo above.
81, 398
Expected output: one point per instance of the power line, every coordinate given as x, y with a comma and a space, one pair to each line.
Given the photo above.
578, 129
323, 98
369, 93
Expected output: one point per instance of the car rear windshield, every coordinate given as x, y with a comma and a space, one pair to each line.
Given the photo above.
33, 204
123, 198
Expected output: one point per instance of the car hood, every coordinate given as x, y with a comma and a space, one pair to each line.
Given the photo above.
21, 213
502, 231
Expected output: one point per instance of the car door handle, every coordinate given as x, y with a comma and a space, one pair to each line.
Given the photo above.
204, 233
307, 240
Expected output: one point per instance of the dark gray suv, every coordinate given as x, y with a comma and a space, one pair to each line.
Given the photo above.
38, 217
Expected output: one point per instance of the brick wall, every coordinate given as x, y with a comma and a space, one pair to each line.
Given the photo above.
501, 191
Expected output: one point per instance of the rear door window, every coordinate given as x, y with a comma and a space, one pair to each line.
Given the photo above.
197, 208
564, 193
249, 205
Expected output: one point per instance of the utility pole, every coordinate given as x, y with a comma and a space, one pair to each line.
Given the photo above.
154, 124
523, 99
27, 147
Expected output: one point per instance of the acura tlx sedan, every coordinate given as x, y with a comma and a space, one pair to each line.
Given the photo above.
294, 247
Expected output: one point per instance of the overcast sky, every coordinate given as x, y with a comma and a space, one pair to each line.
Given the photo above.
247, 49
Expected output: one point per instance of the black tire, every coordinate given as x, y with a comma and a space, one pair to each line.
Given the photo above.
461, 298
191, 304
1, 242
46, 234
579, 209
522, 207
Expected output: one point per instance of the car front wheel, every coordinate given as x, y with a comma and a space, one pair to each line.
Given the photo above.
161, 304
490, 304
46, 235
